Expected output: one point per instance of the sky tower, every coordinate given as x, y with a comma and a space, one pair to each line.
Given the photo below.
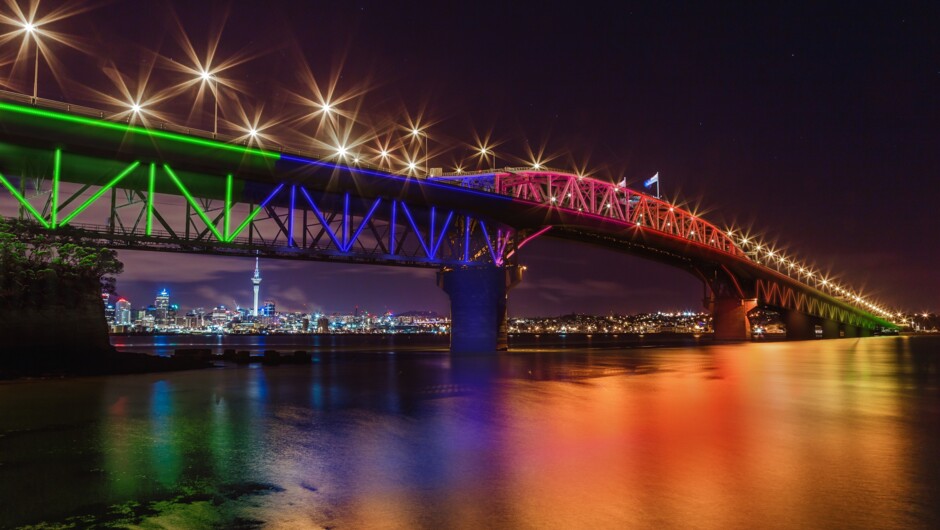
256, 281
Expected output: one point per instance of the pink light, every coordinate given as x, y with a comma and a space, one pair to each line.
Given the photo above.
533, 236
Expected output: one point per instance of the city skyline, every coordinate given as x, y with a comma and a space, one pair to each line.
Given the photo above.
236, 289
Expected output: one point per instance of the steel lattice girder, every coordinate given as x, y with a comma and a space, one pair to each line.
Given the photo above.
165, 209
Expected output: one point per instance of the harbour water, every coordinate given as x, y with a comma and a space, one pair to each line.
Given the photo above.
816, 434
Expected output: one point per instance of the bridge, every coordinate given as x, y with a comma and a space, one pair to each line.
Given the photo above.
81, 174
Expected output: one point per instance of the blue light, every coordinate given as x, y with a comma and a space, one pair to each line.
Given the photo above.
316, 211
362, 225
432, 184
391, 242
489, 245
440, 238
290, 220
414, 227
466, 239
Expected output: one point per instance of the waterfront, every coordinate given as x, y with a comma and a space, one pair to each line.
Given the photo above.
165, 345
837, 433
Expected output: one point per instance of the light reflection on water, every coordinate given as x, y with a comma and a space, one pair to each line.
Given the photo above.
840, 433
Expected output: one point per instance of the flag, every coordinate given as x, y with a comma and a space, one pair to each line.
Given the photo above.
652, 180
622, 183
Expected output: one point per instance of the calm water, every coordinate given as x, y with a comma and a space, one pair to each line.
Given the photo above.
837, 434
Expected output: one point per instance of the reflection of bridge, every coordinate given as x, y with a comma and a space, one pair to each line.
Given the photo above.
127, 187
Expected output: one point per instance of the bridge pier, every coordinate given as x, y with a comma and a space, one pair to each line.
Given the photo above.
478, 306
801, 326
831, 329
729, 317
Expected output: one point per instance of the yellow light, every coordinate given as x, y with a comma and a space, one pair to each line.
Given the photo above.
29, 27
415, 132
341, 151
252, 132
412, 166
383, 153
135, 108
205, 75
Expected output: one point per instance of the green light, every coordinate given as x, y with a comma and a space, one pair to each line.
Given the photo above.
228, 203
192, 201
244, 224
55, 185
100, 192
153, 175
22, 200
137, 130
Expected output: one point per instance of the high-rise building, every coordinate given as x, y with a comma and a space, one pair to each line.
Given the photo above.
122, 313
162, 305
221, 315
256, 283
269, 308
108, 308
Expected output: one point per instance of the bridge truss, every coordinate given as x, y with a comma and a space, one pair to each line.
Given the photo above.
153, 206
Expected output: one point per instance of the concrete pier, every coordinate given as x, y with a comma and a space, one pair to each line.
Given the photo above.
478, 306
729, 318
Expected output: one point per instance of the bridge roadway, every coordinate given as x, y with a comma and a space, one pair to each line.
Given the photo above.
365, 214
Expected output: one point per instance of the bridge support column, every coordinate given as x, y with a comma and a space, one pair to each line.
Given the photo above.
478, 296
800, 326
729, 318
830, 329
849, 331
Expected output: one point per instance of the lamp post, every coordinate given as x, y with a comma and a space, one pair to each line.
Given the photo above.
207, 77
417, 133
30, 31
486, 151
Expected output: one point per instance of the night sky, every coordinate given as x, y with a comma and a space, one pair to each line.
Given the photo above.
817, 127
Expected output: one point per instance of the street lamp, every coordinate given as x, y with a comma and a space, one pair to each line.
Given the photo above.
484, 151
31, 31
207, 77
417, 133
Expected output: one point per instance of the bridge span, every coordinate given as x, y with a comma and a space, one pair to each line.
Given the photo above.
73, 173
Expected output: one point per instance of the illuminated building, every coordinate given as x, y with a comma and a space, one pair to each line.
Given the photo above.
269, 308
122, 313
162, 306
256, 284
